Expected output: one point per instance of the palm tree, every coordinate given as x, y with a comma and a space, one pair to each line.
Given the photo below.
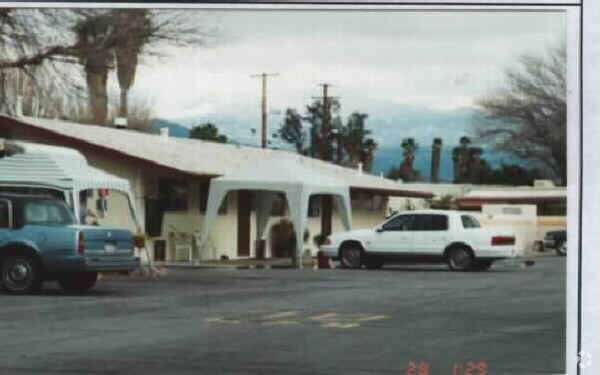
407, 171
94, 39
460, 157
121, 35
359, 147
133, 27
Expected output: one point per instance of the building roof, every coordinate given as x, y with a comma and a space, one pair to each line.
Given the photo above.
517, 193
468, 192
195, 157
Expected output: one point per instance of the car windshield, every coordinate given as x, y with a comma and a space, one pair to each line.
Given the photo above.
47, 212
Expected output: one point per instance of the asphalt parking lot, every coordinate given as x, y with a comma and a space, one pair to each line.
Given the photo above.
216, 321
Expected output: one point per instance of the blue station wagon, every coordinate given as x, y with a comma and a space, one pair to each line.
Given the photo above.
40, 240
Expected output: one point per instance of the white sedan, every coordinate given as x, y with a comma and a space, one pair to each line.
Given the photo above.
424, 236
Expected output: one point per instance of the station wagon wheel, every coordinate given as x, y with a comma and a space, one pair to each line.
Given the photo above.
21, 275
561, 248
351, 256
460, 259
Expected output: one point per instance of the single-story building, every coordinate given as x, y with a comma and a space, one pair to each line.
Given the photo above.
170, 179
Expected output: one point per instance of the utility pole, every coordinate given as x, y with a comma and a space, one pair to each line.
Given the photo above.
327, 155
264, 76
324, 146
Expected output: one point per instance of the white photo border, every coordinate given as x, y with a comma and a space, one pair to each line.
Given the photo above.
583, 137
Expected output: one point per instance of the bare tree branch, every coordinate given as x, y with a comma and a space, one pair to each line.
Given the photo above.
527, 117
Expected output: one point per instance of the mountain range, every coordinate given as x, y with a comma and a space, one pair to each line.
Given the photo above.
389, 125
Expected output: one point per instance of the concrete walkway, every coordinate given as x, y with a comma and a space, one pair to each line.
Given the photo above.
234, 263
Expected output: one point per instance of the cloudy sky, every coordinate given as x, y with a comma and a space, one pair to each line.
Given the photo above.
375, 60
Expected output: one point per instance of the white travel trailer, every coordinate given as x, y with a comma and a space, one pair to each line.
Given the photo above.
58, 171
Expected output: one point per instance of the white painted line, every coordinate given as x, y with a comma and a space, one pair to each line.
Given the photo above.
284, 314
280, 322
222, 320
324, 316
373, 317
340, 325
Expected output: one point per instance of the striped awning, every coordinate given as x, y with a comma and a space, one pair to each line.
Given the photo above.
55, 167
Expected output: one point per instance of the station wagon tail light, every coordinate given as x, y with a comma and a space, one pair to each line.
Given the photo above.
503, 240
81, 243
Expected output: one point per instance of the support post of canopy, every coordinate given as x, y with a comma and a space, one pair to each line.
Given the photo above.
264, 202
216, 193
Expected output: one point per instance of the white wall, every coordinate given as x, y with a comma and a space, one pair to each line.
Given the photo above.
403, 203
522, 220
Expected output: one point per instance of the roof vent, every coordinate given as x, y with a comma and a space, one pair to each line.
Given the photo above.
121, 122
164, 133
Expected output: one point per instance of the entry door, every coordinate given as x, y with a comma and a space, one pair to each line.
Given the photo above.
244, 204
395, 236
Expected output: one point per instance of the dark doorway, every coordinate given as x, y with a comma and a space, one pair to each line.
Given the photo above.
243, 219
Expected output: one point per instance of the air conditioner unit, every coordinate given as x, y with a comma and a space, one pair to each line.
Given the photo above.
121, 122
543, 184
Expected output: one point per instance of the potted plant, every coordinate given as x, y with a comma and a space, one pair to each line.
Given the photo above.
139, 240
319, 239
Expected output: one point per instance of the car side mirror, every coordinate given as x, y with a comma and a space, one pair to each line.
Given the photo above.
379, 229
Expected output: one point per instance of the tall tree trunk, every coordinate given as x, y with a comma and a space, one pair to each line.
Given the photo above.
131, 28
123, 105
3, 96
96, 77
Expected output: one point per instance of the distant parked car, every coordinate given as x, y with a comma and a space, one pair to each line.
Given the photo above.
40, 241
557, 240
425, 236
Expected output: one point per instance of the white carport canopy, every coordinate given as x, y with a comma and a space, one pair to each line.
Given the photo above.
288, 176
58, 168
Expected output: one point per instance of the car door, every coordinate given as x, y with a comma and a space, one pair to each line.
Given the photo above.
431, 233
394, 236
5, 220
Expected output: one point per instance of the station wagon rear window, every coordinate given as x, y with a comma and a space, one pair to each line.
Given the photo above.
4, 212
47, 212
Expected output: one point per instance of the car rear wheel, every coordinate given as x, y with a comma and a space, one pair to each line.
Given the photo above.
351, 256
460, 259
21, 275
561, 248
78, 282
